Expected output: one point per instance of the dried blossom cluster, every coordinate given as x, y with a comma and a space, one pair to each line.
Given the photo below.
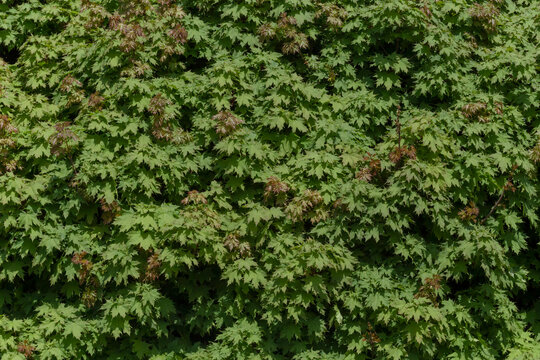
470, 213
371, 336
285, 30
429, 289
85, 265
161, 128
477, 110
153, 264
369, 171
426, 10
95, 101
194, 197
399, 152
73, 88
25, 349
275, 188
63, 139
535, 153
226, 122
133, 8
90, 293
308, 205
233, 244
96, 14
109, 211
486, 14
335, 15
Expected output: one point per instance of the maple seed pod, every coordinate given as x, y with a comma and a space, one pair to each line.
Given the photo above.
275, 187
226, 122
194, 197
470, 213
26, 349
152, 268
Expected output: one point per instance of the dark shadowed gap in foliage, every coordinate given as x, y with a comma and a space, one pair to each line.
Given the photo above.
9, 55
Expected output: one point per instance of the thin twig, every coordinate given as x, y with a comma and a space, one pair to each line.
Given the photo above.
398, 125
494, 206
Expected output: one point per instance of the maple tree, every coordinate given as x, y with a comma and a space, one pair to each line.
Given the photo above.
269, 179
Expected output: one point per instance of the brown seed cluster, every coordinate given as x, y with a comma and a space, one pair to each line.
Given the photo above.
26, 349
90, 282
194, 197
161, 128
275, 188
95, 101
96, 14
404, 151
234, 245
369, 171
371, 336
152, 267
7, 129
109, 211
477, 110
226, 122
85, 265
307, 206
73, 88
535, 153
486, 14
429, 289
62, 141
285, 31
335, 15
470, 213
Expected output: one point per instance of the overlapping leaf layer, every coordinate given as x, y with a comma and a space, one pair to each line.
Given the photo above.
269, 179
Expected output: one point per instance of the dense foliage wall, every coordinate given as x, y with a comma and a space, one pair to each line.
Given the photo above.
269, 179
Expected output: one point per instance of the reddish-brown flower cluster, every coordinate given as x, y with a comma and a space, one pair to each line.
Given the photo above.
73, 88
178, 33
429, 289
499, 109
132, 8
371, 336
470, 213
477, 110
399, 152
95, 101
96, 14
85, 264
335, 15
486, 14
109, 211
26, 349
69, 83
425, 9
285, 30
161, 128
131, 36
226, 122
152, 268
89, 295
307, 206
194, 197
275, 187
372, 169
233, 244
62, 141
6, 127
535, 152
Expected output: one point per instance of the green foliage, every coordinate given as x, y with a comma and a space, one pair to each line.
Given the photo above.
264, 179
